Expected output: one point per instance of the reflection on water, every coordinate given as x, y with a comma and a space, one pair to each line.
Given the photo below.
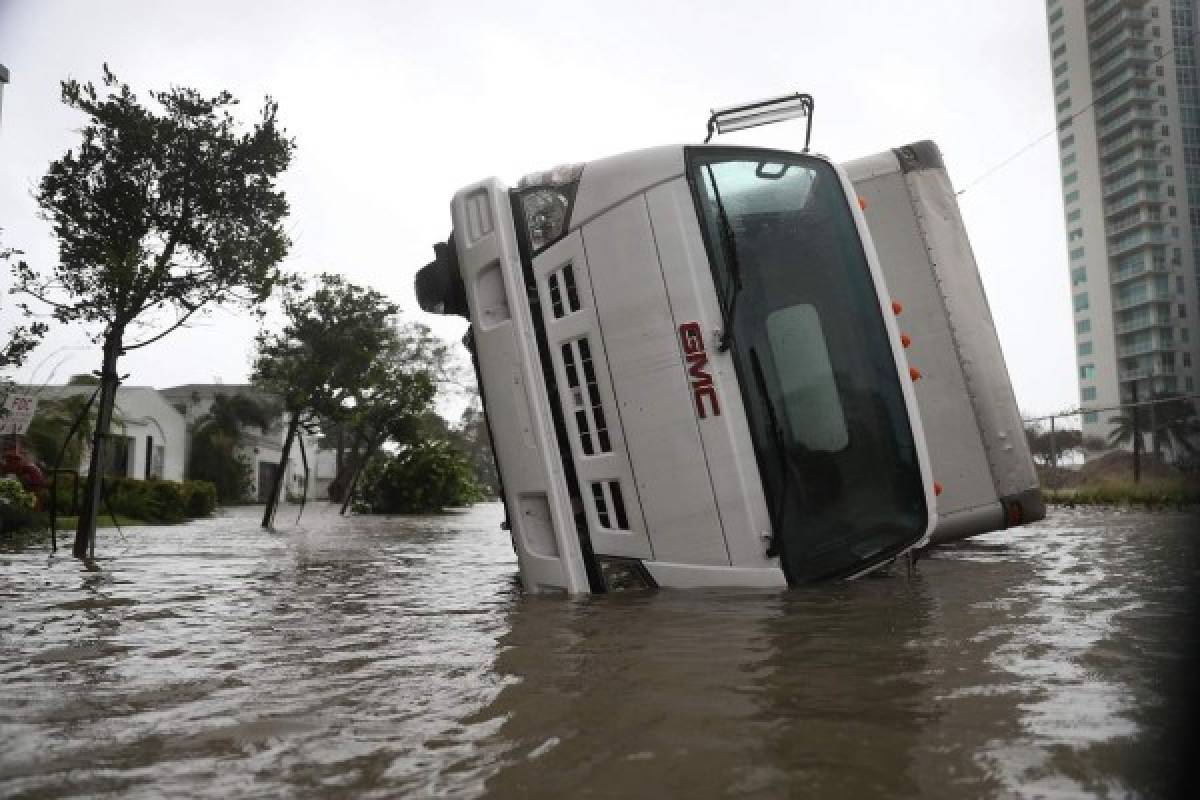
378, 657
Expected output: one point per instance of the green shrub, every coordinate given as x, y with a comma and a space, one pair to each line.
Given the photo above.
16, 505
157, 500
201, 498
427, 477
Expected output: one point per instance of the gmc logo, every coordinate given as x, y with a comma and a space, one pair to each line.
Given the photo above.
701, 382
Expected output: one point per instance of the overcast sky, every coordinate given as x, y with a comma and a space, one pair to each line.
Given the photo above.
395, 105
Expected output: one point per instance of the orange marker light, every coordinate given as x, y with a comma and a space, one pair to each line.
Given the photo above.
897, 309
937, 489
906, 340
862, 203
914, 373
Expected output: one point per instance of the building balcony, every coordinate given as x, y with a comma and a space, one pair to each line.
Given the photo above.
1142, 373
1156, 345
1099, 11
1144, 156
1100, 34
1141, 135
1134, 220
1152, 295
1147, 196
1139, 115
1122, 101
1135, 75
1138, 179
1130, 36
1154, 267
1134, 243
1122, 58
1143, 322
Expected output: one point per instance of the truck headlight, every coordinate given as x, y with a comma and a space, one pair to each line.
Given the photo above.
546, 199
624, 574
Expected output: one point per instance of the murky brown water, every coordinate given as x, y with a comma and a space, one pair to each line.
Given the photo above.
389, 657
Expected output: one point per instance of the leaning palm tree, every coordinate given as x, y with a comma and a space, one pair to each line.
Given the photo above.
1175, 426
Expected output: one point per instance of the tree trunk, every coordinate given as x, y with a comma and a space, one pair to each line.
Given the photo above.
354, 476
85, 533
273, 499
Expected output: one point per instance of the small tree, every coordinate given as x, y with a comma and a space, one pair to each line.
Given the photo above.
160, 212
323, 359
393, 403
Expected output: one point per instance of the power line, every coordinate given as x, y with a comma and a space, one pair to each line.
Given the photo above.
1081, 410
988, 173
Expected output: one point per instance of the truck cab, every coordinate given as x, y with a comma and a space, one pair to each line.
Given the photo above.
691, 369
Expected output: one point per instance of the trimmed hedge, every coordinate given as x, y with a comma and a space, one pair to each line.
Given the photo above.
151, 500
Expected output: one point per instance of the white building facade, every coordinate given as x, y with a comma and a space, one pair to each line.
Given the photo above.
1127, 99
149, 437
261, 448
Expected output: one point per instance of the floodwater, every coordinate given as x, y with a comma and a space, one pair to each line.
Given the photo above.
379, 657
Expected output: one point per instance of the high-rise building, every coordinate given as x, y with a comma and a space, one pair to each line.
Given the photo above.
1127, 100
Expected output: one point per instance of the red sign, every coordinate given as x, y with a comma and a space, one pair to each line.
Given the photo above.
704, 393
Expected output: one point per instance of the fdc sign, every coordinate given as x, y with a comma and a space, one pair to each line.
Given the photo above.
18, 413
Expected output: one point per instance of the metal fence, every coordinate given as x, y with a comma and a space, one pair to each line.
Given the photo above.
1170, 423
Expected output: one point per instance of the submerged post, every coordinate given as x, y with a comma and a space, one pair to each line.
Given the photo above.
1137, 438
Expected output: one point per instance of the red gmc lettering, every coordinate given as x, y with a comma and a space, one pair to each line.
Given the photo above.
701, 381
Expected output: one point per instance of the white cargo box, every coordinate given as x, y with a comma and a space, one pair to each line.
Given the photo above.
976, 440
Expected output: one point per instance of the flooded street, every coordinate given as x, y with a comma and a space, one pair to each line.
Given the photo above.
379, 657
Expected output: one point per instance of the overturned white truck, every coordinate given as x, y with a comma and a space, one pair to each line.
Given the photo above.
692, 369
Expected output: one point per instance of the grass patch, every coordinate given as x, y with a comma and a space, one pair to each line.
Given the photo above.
102, 521
1148, 494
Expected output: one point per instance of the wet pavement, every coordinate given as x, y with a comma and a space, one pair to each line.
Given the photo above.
377, 657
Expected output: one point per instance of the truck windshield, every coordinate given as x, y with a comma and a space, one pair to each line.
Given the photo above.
818, 378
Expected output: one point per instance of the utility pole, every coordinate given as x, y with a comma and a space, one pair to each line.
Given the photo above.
4, 78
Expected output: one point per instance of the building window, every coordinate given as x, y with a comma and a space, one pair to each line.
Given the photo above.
1061, 50
1068, 160
1083, 326
1064, 105
1062, 86
1078, 276
1055, 17
1182, 311
1070, 178
1187, 359
1075, 234
1081, 301
1090, 418
1057, 33
1085, 348
1060, 69
1187, 382
1077, 254
1074, 215
1087, 372
1067, 140
1071, 197
1088, 394
1183, 334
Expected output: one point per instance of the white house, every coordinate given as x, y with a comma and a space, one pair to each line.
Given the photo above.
261, 448
149, 436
